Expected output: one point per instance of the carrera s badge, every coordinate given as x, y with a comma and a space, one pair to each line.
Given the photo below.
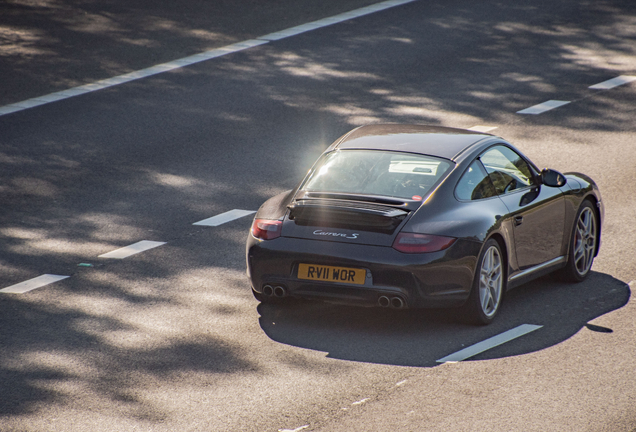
333, 234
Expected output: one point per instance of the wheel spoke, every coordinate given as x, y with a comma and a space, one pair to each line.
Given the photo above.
485, 299
494, 293
488, 261
580, 231
483, 278
496, 272
584, 223
589, 256
579, 252
581, 226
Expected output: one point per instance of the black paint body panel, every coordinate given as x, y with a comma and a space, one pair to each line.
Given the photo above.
533, 226
423, 280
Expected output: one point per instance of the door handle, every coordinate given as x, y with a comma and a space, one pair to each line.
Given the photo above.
518, 220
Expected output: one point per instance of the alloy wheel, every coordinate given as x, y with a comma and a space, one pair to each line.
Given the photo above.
490, 282
585, 241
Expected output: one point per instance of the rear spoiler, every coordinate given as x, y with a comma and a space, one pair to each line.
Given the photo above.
346, 214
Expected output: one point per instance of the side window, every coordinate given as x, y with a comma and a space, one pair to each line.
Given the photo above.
475, 184
507, 170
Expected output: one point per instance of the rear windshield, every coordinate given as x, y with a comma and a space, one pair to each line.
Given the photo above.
373, 172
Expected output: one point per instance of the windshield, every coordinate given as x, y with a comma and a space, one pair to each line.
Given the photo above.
373, 172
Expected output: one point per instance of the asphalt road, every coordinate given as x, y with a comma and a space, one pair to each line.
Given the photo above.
171, 338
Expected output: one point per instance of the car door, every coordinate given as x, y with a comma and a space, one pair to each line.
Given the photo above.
537, 211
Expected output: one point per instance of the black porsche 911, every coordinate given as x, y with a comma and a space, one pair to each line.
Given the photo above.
417, 216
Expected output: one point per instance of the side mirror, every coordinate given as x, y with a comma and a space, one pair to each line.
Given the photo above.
552, 178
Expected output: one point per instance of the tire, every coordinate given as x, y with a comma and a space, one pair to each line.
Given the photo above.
583, 244
489, 285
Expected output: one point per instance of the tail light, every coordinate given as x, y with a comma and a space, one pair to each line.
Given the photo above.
421, 243
265, 229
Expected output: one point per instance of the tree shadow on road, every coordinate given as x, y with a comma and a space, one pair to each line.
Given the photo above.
108, 348
116, 166
419, 337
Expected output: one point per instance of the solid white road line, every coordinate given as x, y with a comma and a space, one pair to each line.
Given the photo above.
614, 82
543, 107
32, 284
207, 55
224, 217
133, 249
492, 342
480, 128
143, 73
333, 20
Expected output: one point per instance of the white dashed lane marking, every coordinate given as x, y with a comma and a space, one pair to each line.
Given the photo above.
482, 128
614, 82
543, 107
132, 249
224, 217
207, 55
298, 429
32, 284
492, 342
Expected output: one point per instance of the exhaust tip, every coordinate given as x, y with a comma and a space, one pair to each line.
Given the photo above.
280, 291
384, 301
268, 290
397, 303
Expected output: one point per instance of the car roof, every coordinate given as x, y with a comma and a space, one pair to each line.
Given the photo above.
429, 140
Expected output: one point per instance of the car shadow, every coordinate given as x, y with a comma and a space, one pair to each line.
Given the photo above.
420, 337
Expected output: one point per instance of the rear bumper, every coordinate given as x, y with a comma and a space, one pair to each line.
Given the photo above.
439, 279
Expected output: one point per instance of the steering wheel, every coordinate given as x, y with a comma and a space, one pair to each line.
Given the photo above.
512, 184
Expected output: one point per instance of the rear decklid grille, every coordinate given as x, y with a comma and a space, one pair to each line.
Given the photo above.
350, 215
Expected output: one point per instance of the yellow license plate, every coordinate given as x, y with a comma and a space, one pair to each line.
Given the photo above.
331, 274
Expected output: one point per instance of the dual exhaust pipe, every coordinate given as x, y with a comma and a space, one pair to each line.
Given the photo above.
278, 291
393, 302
